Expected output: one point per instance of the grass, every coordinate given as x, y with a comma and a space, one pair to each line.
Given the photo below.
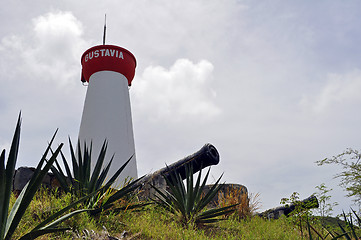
188, 201
12, 213
44, 204
151, 222
154, 222
165, 227
246, 205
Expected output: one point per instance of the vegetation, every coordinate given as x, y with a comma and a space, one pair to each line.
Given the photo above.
82, 181
325, 208
188, 201
350, 176
154, 222
301, 215
9, 221
245, 205
182, 211
151, 222
351, 231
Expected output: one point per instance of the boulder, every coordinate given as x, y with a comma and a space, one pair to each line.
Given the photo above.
22, 176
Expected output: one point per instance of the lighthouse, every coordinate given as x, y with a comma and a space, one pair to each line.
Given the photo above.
109, 71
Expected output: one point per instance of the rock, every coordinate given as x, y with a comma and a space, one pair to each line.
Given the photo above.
23, 175
21, 178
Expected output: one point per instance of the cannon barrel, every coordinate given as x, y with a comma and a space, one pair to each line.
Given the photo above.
275, 213
206, 156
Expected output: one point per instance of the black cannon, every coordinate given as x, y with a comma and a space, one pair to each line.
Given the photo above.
275, 213
206, 156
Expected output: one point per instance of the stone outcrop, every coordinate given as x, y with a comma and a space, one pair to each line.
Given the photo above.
23, 174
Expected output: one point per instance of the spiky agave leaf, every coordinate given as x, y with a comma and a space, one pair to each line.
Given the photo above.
201, 202
81, 181
350, 225
98, 167
6, 177
74, 162
28, 193
103, 174
98, 180
3, 195
212, 214
60, 176
10, 221
174, 200
86, 182
50, 224
165, 199
177, 194
38, 233
344, 232
190, 201
309, 230
121, 193
357, 217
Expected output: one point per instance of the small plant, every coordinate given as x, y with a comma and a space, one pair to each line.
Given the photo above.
351, 231
302, 217
350, 175
188, 201
311, 231
325, 208
9, 221
301, 214
82, 182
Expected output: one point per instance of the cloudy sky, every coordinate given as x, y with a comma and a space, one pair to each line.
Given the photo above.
274, 85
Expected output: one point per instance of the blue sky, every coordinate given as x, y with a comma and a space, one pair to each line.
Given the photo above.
274, 85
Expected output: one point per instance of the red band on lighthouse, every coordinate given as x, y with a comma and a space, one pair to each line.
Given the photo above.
108, 58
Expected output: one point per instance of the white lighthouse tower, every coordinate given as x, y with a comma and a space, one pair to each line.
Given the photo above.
109, 70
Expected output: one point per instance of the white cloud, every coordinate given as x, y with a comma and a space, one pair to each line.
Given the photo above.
57, 33
182, 91
339, 90
50, 52
40, 76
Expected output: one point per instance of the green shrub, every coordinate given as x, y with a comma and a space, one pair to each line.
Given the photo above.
188, 202
81, 181
9, 221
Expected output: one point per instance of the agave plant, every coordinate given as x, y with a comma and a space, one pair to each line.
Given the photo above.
9, 221
188, 201
82, 181
351, 231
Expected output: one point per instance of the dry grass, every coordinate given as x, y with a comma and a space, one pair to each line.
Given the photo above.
247, 205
